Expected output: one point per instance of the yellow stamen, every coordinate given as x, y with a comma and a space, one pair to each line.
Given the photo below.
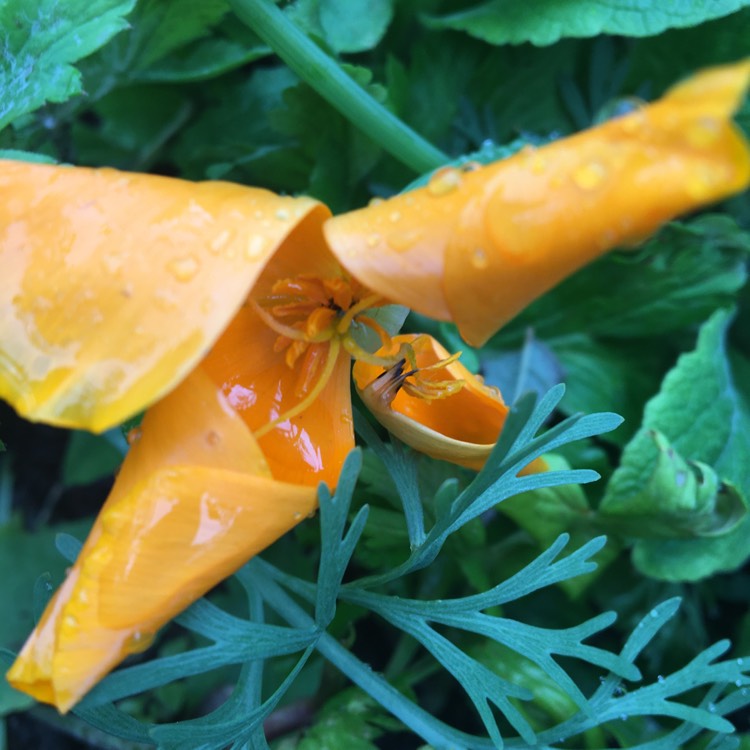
290, 332
333, 352
358, 352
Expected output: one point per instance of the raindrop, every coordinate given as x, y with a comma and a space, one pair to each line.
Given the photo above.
712, 708
654, 613
297, 516
138, 641
444, 181
590, 176
623, 717
134, 435
373, 240
375, 202
738, 682
703, 133
470, 166
218, 243
622, 107
183, 269
660, 678
282, 214
479, 258
213, 438
395, 217
70, 622
487, 144
740, 662
401, 241
255, 247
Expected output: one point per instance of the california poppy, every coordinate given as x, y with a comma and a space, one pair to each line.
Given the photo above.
230, 312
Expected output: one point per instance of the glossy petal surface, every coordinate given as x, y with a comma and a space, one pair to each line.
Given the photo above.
259, 385
476, 247
114, 285
461, 428
193, 502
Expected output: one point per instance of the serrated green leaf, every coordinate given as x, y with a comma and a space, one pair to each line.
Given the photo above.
702, 412
658, 494
546, 21
676, 280
42, 39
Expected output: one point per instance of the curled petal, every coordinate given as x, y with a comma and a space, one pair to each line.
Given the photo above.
115, 285
476, 247
193, 502
461, 428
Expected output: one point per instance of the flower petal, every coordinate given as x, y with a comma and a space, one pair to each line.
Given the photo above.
260, 386
461, 428
115, 285
193, 502
476, 247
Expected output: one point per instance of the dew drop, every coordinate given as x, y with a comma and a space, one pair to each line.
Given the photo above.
654, 613
738, 682
703, 133
623, 717
138, 642
740, 662
70, 622
444, 181
395, 217
712, 708
479, 258
590, 176
183, 269
134, 435
373, 240
217, 244
470, 166
213, 438
255, 247
660, 678
376, 202
743, 691
282, 214
297, 516
401, 241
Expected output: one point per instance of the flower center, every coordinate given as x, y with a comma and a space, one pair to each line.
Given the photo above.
315, 318
419, 382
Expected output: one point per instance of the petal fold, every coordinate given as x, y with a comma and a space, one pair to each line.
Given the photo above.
476, 247
115, 285
193, 501
461, 428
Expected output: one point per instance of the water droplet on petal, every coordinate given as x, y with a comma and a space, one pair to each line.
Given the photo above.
590, 176
376, 201
255, 247
479, 258
297, 516
704, 132
699, 186
217, 244
183, 269
282, 214
213, 438
401, 241
373, 240
395, 217
470, 166
134, 435
138, 641
444, 181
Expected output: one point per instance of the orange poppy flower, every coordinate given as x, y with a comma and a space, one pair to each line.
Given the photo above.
225, 308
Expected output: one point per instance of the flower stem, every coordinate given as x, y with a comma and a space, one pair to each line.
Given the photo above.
317, 69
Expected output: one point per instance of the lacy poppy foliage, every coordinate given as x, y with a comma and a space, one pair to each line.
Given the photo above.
231, 313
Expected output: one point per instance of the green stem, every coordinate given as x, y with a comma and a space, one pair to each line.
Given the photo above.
422, 723
316, 68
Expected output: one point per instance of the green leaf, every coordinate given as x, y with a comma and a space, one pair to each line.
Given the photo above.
703, 415
16, 155
676, 280
88, 458
24, 556
40, 41
354, 25
547, 512
546, 21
